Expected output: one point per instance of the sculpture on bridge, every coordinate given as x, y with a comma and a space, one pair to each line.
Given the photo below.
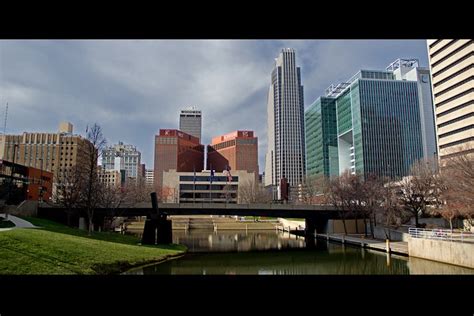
158, 229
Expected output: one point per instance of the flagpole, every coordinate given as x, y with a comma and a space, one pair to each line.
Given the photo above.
194, 185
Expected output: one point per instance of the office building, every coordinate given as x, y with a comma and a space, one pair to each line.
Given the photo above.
384, 123
285, 157
237, 150
149, 177
321, 138
110, 177
176, 150
452, 73
190, 122
190, 187
57, 152
123, 157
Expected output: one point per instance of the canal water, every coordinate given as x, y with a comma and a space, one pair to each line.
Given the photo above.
278, 253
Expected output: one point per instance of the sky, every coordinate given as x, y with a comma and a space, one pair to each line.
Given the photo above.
133, 88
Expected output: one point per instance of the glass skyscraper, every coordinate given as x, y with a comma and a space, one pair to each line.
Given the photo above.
321, 138
383, 125
285, 156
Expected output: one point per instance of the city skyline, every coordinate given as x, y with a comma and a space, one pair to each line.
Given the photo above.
126, 88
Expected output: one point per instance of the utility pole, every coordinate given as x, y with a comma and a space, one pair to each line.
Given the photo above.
10, 187
41, 183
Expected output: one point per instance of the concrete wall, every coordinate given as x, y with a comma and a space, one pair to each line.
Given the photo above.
337, 226
457, 253
26, 208
395, 235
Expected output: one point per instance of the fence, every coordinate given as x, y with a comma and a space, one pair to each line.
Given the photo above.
442, 234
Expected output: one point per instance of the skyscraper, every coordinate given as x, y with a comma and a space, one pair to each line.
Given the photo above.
452, 73
378, 122
285, 157
321, 138
190, 122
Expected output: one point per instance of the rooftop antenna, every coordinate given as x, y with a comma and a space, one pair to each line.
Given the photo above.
5, 121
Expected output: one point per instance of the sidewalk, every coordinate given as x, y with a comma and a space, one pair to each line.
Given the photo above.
19, 223
397, 247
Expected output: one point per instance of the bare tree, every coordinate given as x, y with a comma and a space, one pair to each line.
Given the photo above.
90, 197
421, 189
458, 194
252, 193
339, 195
391, 213
68, 190
315, 192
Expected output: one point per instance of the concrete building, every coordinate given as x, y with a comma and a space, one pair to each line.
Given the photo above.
378, 122
452, 74
123, 157
176, 150
190, 187
110, 177
237, 150
285, 157
54, 152
149, 177
190, 121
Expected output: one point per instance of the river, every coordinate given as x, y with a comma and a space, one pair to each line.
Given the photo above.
277, 253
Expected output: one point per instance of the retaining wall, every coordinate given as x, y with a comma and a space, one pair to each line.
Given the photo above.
457, 253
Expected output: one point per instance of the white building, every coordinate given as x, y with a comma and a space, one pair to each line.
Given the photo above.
149, 177
190, 121
187, 187
122, 157
285, 157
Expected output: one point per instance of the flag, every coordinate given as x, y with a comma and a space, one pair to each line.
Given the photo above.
212, 175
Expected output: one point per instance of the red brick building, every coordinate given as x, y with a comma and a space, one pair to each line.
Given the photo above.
238, 150
27, 182
176, 150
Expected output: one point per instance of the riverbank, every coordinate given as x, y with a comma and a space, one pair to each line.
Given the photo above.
57, 249
396, 247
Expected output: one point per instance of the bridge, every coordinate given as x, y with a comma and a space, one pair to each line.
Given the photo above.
316, 216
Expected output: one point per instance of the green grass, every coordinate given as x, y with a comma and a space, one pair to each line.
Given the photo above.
57, 249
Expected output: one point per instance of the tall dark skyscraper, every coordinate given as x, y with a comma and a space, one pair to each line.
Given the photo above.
285, 157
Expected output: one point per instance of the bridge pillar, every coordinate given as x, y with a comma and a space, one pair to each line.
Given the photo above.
310, 226
322, 226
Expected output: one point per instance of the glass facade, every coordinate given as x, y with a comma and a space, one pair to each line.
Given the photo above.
370, 124
321, 138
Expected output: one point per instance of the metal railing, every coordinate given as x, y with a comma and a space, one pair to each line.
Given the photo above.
442, 234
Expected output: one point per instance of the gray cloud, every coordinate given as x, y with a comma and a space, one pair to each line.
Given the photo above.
134, 88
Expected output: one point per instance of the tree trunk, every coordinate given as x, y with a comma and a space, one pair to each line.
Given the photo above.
90, 223
416, 219
344, 224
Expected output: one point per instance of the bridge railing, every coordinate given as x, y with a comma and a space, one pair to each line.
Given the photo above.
442, 234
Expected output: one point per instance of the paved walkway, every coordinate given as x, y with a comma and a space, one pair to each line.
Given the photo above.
19, 223
398, 247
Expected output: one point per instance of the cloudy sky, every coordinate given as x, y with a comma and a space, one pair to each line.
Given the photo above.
134, 88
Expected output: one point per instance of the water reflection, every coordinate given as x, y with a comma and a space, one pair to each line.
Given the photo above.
276, 253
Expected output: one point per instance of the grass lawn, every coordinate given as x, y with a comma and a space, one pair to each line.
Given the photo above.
58, 249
